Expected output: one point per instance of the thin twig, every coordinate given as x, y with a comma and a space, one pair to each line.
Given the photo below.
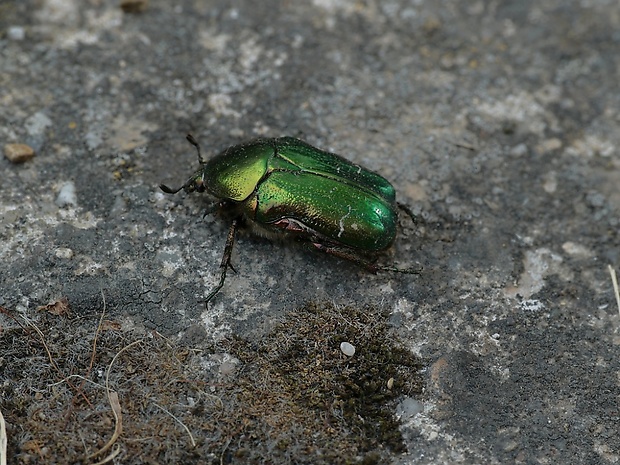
94, 352
614, 281
114, 403
115, 452
49, 355
83, 378
92, 358
224, 451
179, 422
3, 440
11, 316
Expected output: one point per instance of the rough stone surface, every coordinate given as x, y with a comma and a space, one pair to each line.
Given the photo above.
497, 122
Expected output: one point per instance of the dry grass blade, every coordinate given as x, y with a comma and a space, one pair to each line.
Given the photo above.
94, 351
109, 458
99, 326
178, 421
239, 395
614, 281
115, 404
3, 440
118, 427
53, 363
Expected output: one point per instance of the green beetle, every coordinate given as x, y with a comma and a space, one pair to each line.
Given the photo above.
286, 187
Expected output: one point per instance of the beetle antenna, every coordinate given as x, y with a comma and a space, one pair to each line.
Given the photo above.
192, 140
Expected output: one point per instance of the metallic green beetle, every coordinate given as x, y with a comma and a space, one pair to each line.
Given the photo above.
287, 187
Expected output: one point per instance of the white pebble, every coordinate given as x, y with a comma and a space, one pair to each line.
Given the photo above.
16, 33
67, 195
64, 252
408, 408
347, 348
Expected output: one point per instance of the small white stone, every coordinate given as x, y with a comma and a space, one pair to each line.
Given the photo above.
409, 408
67, 195
64, 252
347, 348
16, 33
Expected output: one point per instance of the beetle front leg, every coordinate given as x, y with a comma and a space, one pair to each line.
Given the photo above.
225, 264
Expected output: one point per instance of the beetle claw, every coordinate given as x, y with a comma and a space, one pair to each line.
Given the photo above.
404, 207
211, 209
169, 190
411, 270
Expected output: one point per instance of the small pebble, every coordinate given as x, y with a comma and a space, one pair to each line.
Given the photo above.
133, 6
16, 33
67, 195
347, 348
18, 153
64, 252
409, 408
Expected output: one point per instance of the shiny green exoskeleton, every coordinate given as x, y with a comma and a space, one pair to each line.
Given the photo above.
288, 187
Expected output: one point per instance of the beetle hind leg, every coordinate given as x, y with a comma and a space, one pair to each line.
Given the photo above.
347, 254
408, 211
362, 261
393, 269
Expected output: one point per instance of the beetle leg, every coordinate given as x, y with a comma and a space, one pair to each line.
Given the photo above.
393, 269
408, 211
192, 140
289, 225
169, 190
347, 255
230, 240
213, 208
363, 262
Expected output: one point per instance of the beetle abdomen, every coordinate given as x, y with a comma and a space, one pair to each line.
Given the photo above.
356, 218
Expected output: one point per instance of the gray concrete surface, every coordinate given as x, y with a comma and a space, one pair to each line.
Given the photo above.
496, 121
